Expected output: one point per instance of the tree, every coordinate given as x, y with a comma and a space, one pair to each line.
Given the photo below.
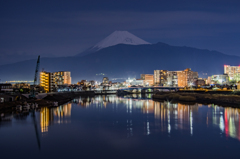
236, 77
232, 82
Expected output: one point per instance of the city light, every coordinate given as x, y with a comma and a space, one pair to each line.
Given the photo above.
19, 81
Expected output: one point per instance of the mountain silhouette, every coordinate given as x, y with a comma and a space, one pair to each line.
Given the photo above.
123, 61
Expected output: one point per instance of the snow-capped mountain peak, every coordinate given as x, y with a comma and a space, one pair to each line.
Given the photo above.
119, 37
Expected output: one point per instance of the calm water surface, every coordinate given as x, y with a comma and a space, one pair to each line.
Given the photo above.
122, 127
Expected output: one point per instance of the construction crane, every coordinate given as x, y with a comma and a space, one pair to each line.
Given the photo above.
32, 92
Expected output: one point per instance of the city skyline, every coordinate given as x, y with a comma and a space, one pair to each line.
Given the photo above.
119, 79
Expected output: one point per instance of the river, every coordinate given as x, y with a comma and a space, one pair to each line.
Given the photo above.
122, 127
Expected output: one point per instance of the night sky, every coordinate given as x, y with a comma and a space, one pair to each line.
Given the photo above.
65, 28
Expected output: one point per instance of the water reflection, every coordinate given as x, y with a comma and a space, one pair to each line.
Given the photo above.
228, 120
168, 116
45, 117
141, 114
58, 115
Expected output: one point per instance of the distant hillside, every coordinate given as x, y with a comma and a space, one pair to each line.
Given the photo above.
125, 61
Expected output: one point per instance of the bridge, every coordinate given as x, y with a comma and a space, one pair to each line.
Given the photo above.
127, 90
150, 89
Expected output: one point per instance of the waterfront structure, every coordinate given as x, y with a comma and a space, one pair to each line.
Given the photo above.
51, 80
218, 79
233, 72
147, 78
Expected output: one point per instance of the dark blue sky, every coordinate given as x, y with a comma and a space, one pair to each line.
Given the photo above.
65, 28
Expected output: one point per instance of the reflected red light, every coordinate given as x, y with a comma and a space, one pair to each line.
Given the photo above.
226, 122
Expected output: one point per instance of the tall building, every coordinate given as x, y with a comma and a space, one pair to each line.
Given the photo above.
49, 80
62, 77
172, 78
147, 78
156, 76
233, 72
186, 77
175, 78
160, 77
45, 82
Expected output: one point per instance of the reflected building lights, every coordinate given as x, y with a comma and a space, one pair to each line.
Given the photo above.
226, 122
169, 120
221, 124
227, 119
130, 106
63, 111
168, 116
176, 118
47, 116
191, 123
148, 129
129, 128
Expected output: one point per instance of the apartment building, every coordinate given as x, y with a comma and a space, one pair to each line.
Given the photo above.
218, 79
233, 72
148, 79
49, 80
175, 78
186, 77
160, 77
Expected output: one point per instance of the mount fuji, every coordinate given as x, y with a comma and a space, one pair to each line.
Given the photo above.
117, 37
123, 55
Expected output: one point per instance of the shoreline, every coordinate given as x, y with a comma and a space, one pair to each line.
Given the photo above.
229, 100
61, 98
225, 100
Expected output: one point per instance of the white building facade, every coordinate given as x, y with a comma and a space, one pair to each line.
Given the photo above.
233, 72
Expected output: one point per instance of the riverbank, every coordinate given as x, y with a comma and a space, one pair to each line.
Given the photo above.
61, 98
203, 98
